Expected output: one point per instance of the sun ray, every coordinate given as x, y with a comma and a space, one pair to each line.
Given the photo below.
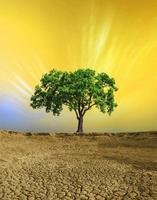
22, 83
39, 63
20, 89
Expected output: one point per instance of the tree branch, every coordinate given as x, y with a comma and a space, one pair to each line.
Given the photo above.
79, 109
77, 115
89, 107
82, 108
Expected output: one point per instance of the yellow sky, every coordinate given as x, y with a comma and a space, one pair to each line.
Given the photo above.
115, 36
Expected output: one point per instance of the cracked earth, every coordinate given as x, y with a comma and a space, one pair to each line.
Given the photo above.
102, 167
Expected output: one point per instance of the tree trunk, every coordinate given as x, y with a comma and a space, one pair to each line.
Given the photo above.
80, 125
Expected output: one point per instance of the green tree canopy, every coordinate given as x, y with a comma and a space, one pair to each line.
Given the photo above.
80, 91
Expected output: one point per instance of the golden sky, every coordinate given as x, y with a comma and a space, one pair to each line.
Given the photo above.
114, 36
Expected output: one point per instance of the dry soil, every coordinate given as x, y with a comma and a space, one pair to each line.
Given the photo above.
67, 167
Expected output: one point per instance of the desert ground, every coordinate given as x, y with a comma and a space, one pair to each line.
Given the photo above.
70, 167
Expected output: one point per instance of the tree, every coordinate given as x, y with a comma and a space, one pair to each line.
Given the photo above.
80, 91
